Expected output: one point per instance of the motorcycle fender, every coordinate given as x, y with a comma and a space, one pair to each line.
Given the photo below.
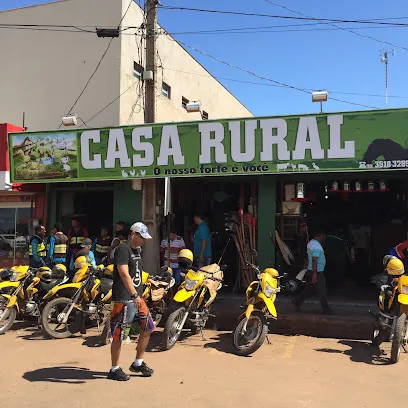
249, 311
269, 304
12, 301
182, 295
8, 284
403, 299
56, 289
107, 297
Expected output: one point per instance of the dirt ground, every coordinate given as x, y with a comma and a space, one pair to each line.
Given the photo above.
293, 371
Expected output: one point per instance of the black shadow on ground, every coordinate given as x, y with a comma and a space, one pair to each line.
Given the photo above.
64, 375
360, 352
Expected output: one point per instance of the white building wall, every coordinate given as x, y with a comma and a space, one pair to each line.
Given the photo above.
43, 72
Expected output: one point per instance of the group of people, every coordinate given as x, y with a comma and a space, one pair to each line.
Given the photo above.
60, 248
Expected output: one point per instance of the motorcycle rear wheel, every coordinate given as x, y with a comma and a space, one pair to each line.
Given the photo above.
172, 327
67, 329
10, 316
399, 337
254, 337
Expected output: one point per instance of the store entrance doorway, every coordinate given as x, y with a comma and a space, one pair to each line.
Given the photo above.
216, 200
94, 209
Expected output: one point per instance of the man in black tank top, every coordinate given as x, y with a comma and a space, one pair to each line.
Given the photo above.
129, 308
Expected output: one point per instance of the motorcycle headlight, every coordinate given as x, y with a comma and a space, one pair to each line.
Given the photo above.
14, 277
404, 290
190, 284
269, 290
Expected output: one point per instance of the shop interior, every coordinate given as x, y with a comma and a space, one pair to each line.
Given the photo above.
218, 200
92, 207
362, 219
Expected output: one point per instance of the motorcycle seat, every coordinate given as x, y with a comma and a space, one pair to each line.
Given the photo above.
47, 286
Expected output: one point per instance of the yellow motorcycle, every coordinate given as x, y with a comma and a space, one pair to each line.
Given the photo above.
195, 296
252, 327
88, 296
391, 320
155, 289
23, 292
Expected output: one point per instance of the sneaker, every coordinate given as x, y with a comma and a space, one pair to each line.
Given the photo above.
143, 369
118, 375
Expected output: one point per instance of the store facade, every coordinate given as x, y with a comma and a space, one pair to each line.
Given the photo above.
21, 207
260, 155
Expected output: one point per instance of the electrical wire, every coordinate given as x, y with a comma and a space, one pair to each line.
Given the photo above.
110, 103
266, 78
235, 31
280, 86
239, 13
336, 26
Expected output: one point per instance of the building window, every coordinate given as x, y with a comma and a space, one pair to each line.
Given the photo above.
137, 71
166, 90
205, 115
184, 102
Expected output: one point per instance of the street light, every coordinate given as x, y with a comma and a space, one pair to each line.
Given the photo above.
320, 96
70, 120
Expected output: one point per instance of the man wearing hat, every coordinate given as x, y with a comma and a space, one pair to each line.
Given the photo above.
85, 250
128, 307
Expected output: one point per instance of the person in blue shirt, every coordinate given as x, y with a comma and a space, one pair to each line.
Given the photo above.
84, 251
315, 279
202, 242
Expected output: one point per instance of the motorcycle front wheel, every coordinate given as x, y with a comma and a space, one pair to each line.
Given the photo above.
172, 329
7, 314
51, 315
399, 338
248, 341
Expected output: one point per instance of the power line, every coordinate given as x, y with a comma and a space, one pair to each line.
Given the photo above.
280, 86
110, 103
336, 26
238, 31
266, 78
239, 13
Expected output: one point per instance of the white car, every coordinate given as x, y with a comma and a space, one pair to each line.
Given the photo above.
14, 242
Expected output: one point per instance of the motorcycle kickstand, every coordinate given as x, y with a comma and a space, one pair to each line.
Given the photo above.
202, 334
267, 339
403, 346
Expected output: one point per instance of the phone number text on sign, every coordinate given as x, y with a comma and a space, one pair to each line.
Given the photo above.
390, 164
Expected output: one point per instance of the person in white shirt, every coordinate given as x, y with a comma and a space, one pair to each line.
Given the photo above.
176, 245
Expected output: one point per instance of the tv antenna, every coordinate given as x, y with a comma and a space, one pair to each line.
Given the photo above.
384, 58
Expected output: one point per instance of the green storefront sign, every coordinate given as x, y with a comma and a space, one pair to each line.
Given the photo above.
352, 141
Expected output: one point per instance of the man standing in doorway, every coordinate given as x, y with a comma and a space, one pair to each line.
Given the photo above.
128, 307
57, 252
37, 252
202, 242
101, 246
75, 237
176, 245
315, 279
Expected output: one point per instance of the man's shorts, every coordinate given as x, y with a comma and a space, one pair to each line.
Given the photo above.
125, 316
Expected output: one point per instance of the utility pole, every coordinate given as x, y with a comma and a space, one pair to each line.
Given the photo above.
151, 56
149, 200
384, 59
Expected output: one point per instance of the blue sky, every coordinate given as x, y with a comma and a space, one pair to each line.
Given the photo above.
326, 59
